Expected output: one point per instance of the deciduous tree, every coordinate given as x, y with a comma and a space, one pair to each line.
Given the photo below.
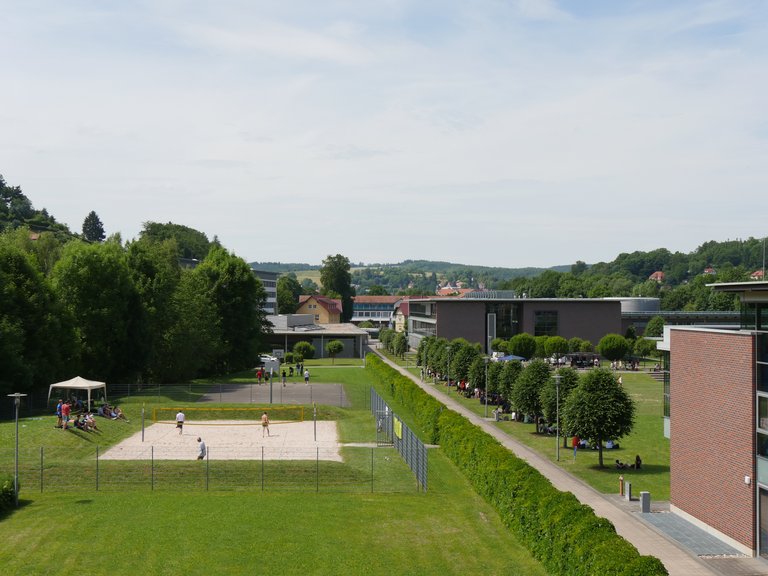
304, 349
288, 292
526, 393
613, 347
336, 278
239, 298
599, 409
333, 349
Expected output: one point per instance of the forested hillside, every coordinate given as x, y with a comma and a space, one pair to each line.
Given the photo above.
119, 312
16, 210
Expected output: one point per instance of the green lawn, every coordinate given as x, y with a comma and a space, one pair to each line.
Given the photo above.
647, 440
186, 529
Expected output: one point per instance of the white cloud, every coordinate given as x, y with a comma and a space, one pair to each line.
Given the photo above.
506, 133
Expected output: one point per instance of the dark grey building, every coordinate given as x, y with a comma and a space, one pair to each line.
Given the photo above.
481, 317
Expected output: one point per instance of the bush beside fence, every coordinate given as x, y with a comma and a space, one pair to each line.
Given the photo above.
563, 534
7, 492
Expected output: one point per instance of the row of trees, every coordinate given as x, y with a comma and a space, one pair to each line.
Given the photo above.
592, 405
119, 312
611, 346
394, 342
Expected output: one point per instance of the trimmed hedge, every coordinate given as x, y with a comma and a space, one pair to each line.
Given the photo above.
563, 534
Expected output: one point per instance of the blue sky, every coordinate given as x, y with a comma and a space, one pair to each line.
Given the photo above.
507, 133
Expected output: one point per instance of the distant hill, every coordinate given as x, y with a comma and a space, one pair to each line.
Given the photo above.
16, 211
283, 267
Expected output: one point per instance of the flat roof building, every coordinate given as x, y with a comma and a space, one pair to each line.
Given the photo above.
482, 316
716, 418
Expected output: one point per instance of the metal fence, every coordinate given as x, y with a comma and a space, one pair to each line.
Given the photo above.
391, 430
293, 392
49, 469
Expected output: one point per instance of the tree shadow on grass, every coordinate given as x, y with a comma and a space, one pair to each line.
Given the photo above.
7, 512
645, 470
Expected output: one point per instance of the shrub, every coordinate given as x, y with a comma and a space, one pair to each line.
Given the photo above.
304, 349
7, 493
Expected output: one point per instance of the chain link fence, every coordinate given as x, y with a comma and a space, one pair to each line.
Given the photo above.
391, 430
363, 469
293, 392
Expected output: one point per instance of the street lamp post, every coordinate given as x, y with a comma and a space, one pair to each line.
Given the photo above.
16, 401
485, 361
557, 424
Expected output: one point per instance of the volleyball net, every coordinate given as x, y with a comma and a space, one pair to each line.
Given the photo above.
246, 416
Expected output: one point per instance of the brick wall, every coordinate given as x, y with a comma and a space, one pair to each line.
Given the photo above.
712, 442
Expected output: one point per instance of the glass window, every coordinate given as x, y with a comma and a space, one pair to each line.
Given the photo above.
762, 348
762, 445
507, 324
762, 376
762, 412
545, 323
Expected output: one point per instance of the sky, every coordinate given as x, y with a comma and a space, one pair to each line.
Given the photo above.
494, 132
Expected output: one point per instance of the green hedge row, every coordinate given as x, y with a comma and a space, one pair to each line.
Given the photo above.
425, 410
563, 534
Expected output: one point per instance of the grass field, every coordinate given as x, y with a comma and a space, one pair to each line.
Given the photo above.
647, 440
447, 530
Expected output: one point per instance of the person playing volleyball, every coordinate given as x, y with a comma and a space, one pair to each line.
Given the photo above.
264, 424
180, 421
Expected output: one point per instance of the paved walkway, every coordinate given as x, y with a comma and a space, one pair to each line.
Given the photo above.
684, 549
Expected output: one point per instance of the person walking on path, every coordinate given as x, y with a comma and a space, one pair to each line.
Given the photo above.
200, 448
306, 376
264, 424
180, 421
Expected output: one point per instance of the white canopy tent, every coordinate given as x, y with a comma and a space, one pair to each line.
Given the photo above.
78, 383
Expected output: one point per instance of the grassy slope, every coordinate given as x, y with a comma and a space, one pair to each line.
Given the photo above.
448, 530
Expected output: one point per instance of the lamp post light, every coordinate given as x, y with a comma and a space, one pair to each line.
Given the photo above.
16, 401
557, 424
485, 361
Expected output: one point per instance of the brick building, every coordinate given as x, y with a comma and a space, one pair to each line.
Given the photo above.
716, 417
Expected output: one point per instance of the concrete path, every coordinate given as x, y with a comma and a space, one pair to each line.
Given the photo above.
648, 539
